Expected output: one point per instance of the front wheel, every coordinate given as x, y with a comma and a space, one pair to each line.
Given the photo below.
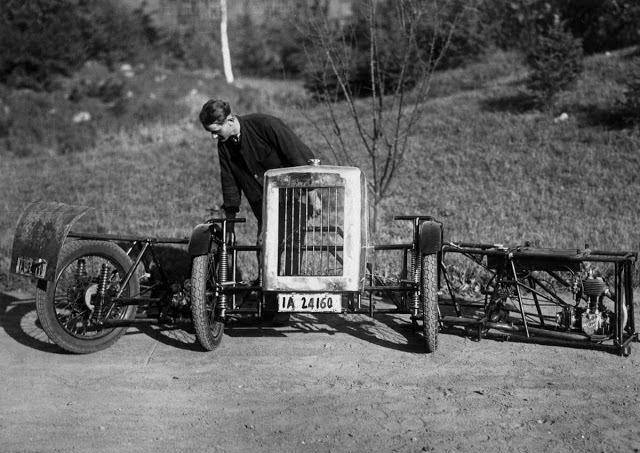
208, 326
429, 301
82, 298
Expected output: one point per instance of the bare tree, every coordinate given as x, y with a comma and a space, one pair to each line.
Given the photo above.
224, 42
197, 15
383, 122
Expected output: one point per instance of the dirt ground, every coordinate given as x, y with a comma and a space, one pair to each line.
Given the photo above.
321, 383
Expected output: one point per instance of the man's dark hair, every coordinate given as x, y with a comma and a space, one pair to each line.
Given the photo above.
214, 111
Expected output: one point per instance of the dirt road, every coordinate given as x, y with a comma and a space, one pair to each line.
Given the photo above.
326, 383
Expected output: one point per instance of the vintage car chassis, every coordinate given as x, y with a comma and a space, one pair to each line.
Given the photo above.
45, 227
514, 279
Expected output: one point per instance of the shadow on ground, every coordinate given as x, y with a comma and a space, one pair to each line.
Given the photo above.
389, 331
615, 117
517, 103
612, 118
18, 319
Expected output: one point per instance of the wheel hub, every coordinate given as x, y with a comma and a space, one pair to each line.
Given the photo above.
91, 291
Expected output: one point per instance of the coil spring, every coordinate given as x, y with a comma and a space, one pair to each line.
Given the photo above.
103, 280
223, 270
81, 269
415, 267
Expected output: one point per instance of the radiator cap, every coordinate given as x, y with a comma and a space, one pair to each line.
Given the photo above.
314, 162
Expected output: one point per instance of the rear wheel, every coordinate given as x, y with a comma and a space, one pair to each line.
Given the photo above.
429, 301
81, 299
209, 328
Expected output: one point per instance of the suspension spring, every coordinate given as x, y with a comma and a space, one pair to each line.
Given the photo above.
80, 273
103, 281
415, 269
223, 272
81, 269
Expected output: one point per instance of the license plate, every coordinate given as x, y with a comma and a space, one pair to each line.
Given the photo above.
310, 302
35, 267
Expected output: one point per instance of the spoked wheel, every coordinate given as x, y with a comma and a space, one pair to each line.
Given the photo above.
429, 301
208, 326
89, 276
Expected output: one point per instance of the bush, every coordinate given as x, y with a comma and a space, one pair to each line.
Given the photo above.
109, 89
516, 24
73, 138
269, 49
191, 48
37, 123
631, 105
432, 41
468, 40
42, 39
600, 24
248, 48
603, 25
112, 33
555, 61
39, 39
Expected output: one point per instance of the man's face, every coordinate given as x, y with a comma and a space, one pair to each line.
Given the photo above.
221, 131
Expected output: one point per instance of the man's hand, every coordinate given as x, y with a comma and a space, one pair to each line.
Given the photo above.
231, 232
316, 202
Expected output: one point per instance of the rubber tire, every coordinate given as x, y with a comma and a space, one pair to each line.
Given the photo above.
71, 251
429, 301
208, 329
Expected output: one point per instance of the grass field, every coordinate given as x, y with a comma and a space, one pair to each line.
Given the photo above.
491, 168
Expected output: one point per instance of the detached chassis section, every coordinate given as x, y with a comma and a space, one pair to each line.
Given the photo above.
579, 298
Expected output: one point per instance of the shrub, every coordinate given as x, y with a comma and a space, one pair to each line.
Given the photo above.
468, 39
269, 49
72, 138
516, 24
39, 38
45, 38
191, 48
247, 47
603, 25
111, 31
109, 89
41, 123
432, 41
158, 110
555, 61
631, 105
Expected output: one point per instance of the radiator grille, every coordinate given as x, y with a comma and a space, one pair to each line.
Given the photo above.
311, 241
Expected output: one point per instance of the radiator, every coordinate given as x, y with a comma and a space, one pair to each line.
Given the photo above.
314, 245
311, 231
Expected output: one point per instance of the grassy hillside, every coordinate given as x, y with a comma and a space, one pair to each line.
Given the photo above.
480, 160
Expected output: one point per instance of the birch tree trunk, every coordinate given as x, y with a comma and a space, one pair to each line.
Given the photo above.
224, 42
